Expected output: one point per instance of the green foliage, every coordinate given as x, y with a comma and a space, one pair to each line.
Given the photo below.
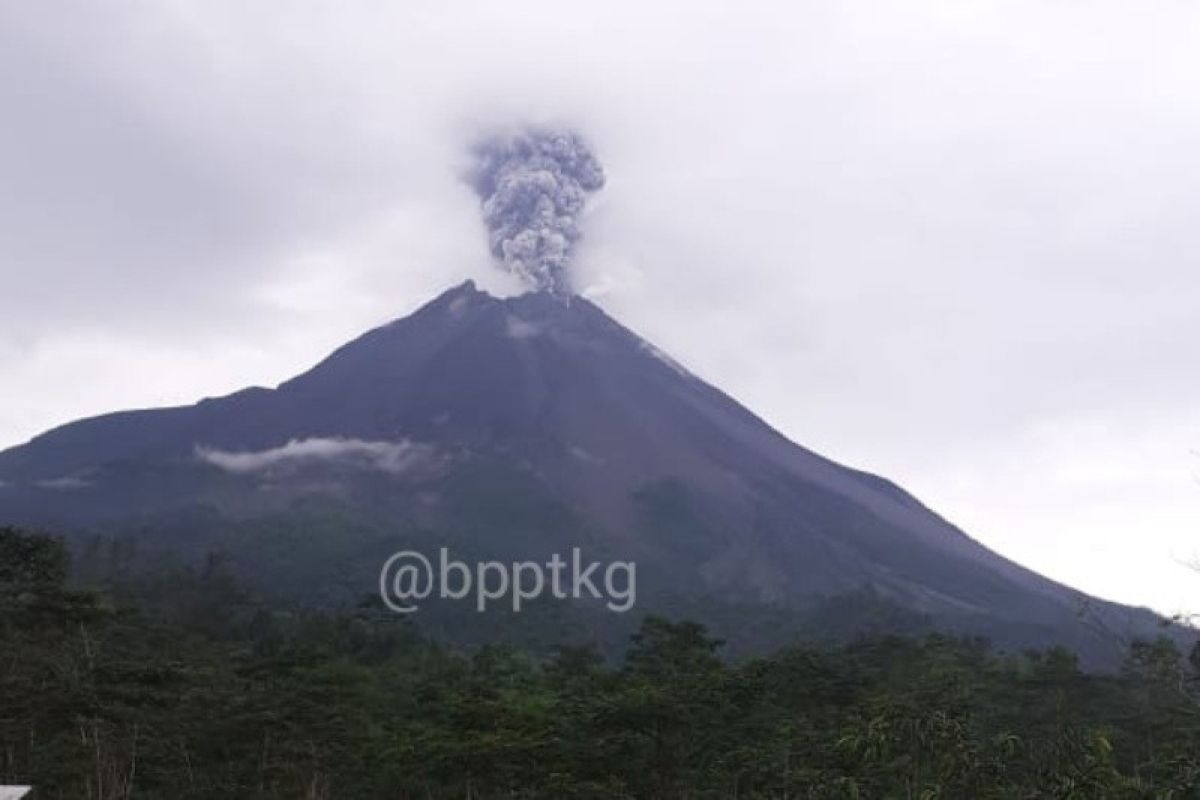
30, 560
209, 693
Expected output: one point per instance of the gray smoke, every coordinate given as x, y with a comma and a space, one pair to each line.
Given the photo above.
533, 186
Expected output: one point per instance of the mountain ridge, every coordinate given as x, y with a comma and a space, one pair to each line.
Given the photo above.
544, 404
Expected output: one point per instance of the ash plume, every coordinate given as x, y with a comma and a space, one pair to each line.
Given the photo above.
532, 186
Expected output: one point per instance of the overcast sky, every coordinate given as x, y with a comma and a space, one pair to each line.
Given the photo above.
955, 243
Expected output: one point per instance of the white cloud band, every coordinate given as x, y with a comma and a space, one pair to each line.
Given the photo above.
392, 457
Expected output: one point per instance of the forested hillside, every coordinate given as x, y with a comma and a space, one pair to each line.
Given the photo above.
210, 695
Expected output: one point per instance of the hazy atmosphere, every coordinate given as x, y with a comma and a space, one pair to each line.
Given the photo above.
952, 243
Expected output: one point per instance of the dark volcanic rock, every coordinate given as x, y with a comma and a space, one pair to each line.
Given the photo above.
515, 428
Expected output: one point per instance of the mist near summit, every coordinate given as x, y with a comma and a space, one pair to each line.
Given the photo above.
951, 245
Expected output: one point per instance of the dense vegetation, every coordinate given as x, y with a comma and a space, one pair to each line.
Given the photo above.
212, 695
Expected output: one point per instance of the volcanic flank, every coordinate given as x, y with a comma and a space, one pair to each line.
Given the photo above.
512, 429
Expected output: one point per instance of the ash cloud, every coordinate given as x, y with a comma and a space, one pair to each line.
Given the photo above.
533, 186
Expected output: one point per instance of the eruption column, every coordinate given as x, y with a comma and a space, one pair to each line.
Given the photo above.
533, 185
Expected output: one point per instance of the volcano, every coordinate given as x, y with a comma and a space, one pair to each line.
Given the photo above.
519, 427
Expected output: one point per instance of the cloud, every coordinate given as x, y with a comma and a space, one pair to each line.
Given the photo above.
533, 186
392, 457
517, 328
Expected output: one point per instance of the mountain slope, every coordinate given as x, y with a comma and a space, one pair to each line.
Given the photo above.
516, 428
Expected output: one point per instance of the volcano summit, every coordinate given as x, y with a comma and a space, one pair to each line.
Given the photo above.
514, 428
